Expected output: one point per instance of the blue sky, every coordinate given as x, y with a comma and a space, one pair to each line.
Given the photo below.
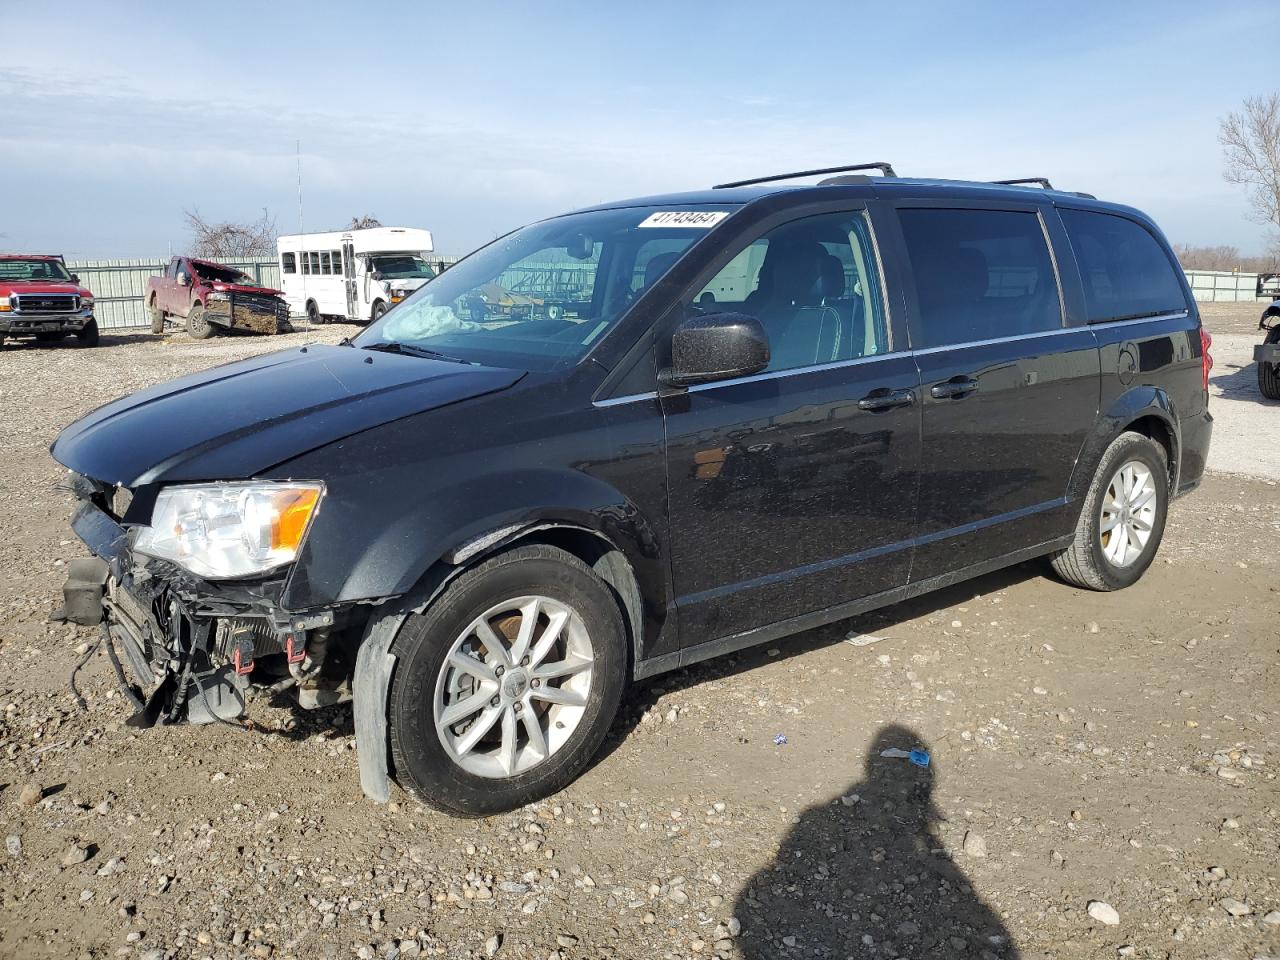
471, 119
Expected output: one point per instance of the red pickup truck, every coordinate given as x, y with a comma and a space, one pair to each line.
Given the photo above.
41, 298
212, 297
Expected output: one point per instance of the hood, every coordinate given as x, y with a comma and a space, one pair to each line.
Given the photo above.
235, 421
9, 288
222, 287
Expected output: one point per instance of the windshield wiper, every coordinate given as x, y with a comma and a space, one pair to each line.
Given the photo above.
395, 346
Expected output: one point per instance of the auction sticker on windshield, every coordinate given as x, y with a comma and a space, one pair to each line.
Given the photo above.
701, 219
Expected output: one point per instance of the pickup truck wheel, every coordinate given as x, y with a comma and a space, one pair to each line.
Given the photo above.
88, 334
1122, 521
198, 325
505, 686
1269, 373
157, 318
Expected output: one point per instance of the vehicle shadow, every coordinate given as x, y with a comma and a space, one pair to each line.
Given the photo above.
642, 697
865, 874
1240, 383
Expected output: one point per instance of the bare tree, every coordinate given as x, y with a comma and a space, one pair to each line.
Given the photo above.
364, 222
1224, 257
228, 241
1250, 142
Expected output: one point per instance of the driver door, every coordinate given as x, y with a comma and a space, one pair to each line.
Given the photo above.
793, 491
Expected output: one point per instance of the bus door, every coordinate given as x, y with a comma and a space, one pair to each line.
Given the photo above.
349, 277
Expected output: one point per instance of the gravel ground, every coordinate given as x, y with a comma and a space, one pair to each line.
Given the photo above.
1102, 779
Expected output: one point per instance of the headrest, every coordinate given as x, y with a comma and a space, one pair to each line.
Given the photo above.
656, 267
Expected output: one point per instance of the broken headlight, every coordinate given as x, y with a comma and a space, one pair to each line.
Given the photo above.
226, 530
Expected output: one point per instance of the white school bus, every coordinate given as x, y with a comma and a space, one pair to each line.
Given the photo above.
352, 274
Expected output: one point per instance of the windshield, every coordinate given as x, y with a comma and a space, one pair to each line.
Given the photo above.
400, 266
206, 271
541, 296
47, 270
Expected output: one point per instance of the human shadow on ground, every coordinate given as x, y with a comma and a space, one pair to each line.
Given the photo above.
868, 877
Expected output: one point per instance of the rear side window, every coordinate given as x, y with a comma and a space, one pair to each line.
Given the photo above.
979, 275
1125, 272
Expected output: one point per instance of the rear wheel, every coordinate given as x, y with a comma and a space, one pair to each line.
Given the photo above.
1122, 521
1269, 373
198, 325
506, 685
88, 334
157, 317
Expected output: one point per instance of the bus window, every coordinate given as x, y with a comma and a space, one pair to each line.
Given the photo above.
288, 263
324, 263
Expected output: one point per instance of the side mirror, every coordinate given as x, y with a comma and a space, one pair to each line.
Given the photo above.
717, 346
75, 278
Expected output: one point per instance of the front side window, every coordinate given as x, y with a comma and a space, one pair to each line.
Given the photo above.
1125, 272
979, 275
540, 297
814, 287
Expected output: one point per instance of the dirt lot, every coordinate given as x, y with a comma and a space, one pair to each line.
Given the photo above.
1084, 747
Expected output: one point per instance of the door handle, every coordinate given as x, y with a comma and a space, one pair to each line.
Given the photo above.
953, 389
886, 399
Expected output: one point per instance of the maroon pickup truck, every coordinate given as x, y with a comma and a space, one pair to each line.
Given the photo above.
211, 297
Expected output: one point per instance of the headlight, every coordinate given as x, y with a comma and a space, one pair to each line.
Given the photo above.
219, 296
4, 305
226, 530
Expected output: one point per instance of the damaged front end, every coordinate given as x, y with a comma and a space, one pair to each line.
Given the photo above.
190, 647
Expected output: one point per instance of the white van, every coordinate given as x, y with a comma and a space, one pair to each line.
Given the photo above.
352, 274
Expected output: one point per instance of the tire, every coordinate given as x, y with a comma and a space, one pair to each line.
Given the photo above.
198, 325
486, 779
88, 334
157, 317
1269, 373
1097, 560
379, 308
313, 314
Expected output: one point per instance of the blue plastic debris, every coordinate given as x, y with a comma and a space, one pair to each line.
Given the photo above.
781, 740
920, 758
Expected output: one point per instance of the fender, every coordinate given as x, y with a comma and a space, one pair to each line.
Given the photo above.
376, 549
1140, 401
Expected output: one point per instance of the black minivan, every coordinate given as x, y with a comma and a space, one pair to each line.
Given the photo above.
624, 440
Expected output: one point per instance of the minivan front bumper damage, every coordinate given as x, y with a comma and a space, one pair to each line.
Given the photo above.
194, 649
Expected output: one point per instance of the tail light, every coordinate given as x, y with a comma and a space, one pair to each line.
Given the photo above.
1206, 361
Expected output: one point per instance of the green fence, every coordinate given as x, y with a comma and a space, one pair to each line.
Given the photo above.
119, 286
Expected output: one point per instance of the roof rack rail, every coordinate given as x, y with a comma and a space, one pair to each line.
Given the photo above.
886, 169
1022, 181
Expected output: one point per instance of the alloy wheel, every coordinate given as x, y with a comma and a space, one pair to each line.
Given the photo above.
514, 686
1128, 513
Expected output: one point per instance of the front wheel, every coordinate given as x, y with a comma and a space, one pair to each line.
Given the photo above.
88, 334
379, 308
313, 314
1269, 373
1122, 521
506, 685
198, 325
